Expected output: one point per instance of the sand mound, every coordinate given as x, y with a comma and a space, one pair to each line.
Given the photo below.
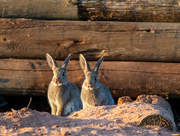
103, 120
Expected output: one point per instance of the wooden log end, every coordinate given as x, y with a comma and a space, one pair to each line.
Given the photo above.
124, 99
157, 120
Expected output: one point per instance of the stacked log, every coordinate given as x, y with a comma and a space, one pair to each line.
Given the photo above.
145, 47
150, 50
31, 77
133, 10
39, 9
121, 10
117, 41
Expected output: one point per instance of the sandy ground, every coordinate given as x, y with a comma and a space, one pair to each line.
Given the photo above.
103, 120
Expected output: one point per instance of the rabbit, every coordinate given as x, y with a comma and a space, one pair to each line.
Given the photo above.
63, 96
93, 93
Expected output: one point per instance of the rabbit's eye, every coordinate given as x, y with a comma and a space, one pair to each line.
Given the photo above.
95, 78
63, 73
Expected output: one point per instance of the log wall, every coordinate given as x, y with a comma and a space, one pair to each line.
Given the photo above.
31, 39
133, 10
31, 77
148, 50
39, 9
121, 10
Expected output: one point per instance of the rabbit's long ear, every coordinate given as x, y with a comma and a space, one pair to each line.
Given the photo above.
84, 64
66, 61
51, 62
98, 64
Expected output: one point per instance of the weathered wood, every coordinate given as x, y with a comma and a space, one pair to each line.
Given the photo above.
156, 120
126, 10
32, 39
165, 119
132, 10
32, 77
39, 9
161, 115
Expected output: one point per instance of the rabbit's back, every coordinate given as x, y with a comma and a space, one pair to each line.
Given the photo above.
107, 94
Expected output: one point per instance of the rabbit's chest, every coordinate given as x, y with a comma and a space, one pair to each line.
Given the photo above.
57, 92
91, 97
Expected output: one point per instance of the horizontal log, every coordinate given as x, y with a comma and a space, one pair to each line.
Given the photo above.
39, 9
132, 10
126, 10
163, 119
32, 39
31, 77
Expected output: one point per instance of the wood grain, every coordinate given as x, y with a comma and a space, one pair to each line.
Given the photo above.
122, 78
121, 10
162, 119
31, 39
132, 10
39, 9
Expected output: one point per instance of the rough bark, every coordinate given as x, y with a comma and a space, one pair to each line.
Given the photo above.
31, 39
132, 10
123, 10
31, 77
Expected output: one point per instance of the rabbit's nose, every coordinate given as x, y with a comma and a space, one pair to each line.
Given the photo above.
89, 85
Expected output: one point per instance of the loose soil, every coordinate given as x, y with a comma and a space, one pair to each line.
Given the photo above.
102, 120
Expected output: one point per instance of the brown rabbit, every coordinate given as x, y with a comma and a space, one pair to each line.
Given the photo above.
63, 96
93, 93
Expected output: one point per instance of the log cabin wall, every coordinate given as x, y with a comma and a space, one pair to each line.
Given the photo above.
140, 57
116, 10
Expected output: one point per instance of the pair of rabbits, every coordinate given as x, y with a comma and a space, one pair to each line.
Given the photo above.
65, 98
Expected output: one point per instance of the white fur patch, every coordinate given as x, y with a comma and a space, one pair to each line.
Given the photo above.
85, 87
59, 84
